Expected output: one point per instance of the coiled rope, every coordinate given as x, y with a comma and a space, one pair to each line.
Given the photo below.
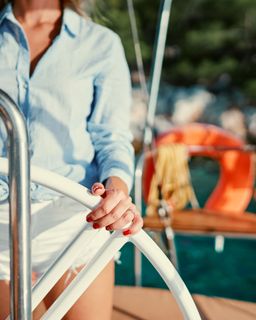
171, 180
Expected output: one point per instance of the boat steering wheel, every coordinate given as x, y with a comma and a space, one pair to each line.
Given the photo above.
105, 253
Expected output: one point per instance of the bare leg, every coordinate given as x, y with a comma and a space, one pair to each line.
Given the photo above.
4, 298
95, 303
41, 308
39, 311
5, 301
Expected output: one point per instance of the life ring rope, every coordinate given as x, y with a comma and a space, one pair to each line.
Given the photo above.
236, 182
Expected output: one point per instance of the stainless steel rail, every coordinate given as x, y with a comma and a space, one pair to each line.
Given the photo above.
157, 69
165, 12
19, 199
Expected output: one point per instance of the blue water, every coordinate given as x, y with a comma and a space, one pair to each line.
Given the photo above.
230, 274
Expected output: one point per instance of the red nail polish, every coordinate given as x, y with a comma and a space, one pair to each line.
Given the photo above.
96, 226
89, 219
126, 232
108, 228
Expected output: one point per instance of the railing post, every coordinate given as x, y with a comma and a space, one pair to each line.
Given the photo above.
19, 199
165, 12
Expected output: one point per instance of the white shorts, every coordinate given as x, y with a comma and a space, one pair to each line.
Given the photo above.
53, 224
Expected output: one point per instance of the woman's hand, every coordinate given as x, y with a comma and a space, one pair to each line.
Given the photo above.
115, 211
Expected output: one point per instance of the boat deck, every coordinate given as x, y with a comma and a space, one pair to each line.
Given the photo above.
202, 221
158, 304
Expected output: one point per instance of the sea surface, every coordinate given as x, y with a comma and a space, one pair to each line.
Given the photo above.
231, 273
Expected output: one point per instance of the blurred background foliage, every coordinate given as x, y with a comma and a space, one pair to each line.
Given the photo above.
210, 42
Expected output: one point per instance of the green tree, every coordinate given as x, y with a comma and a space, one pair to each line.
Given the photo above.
206, 39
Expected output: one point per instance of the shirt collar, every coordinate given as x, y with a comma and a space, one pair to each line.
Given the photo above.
6, 12
71, 21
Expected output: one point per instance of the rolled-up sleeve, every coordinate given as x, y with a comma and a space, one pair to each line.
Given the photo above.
109, 123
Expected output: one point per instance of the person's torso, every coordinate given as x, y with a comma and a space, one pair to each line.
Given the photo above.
58, 98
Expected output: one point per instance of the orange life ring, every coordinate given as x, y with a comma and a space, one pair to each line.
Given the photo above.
235, 186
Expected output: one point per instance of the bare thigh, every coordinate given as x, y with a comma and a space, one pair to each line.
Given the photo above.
4, 299
96, 303
5, 302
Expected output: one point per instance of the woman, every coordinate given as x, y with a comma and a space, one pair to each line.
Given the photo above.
70, 79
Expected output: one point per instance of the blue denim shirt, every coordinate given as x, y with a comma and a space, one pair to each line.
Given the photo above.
76, 103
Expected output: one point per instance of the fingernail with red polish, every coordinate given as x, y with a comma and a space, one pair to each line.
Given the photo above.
108, 228
97, 187
126, 232
96, 226
89, 219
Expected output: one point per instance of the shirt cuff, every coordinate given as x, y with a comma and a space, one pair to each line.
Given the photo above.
115, 172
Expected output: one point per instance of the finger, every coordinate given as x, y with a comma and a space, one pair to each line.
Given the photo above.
113, 197
114, 214
98, 189
135, 227
125, 219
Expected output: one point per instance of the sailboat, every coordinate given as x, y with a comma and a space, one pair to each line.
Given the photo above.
223, 215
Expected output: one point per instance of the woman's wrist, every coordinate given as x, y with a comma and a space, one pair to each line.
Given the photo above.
116, 183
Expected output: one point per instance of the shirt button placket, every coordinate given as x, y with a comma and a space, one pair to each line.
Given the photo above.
23, 75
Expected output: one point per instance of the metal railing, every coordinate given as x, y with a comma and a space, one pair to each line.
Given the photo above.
19, 200
148, 140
